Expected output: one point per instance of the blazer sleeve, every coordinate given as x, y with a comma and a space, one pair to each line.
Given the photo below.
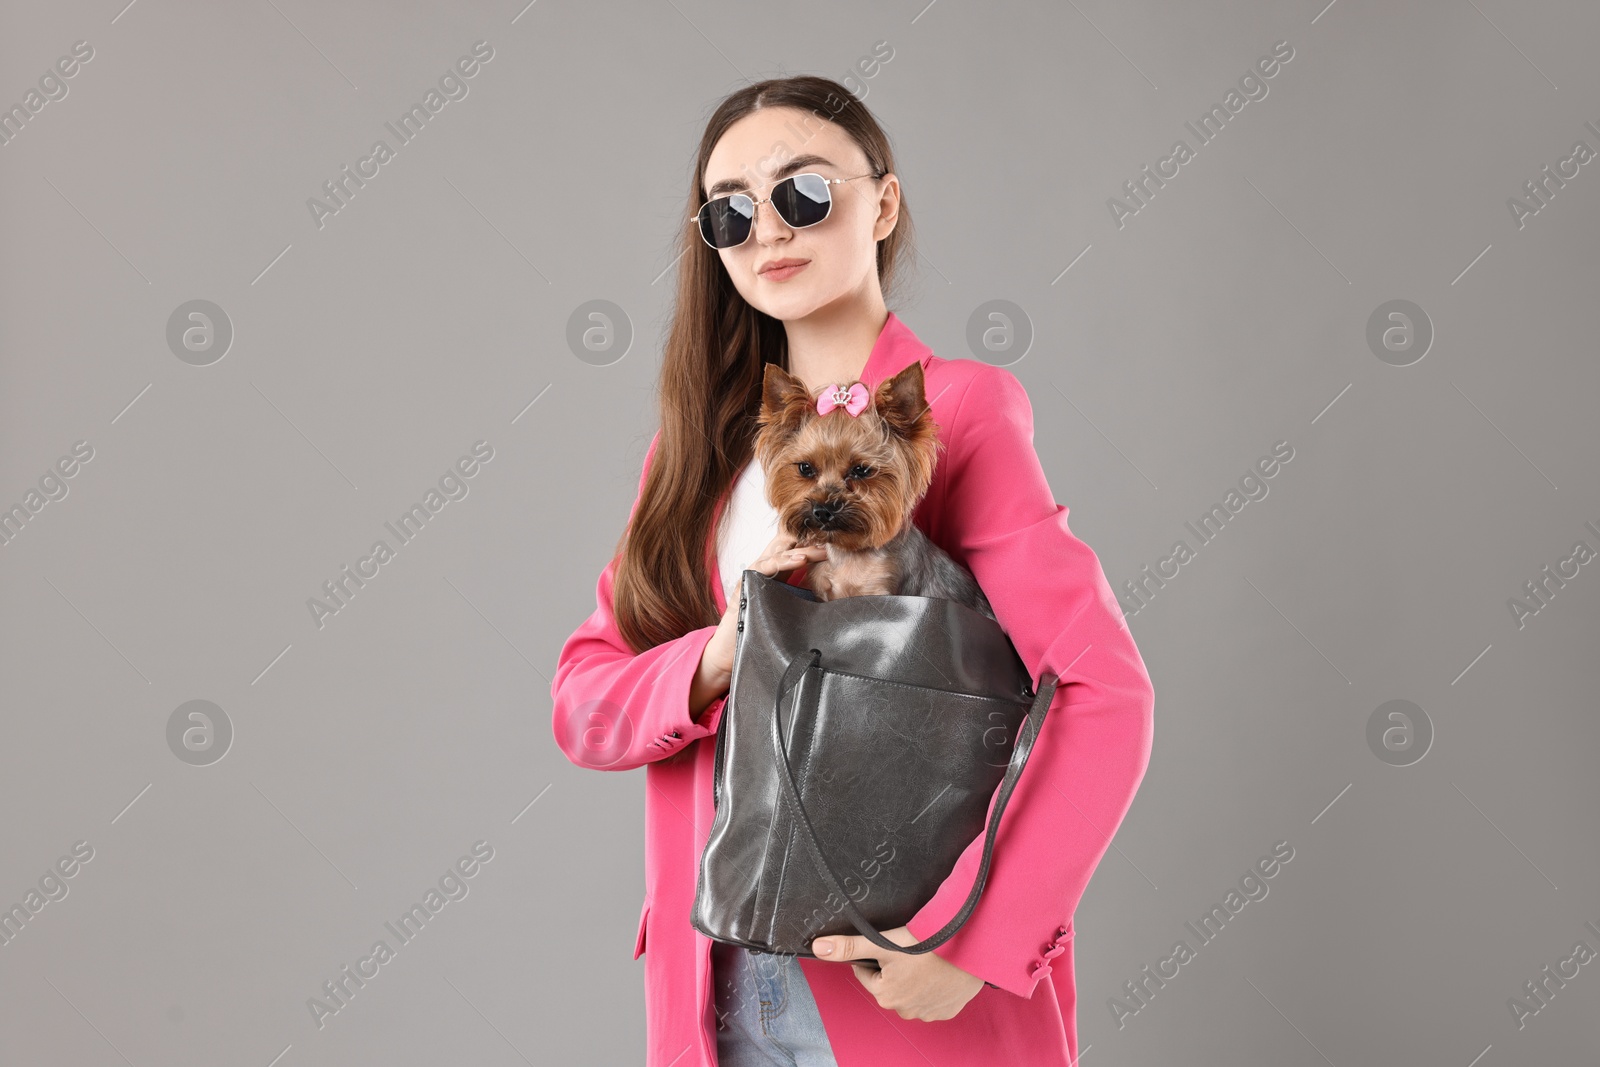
1051, 596
615, 710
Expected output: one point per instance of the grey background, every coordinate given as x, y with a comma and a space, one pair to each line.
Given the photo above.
368, 355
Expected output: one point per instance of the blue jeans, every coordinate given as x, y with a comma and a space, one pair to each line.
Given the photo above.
766, 1015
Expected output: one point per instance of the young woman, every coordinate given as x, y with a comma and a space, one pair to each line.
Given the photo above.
643, 681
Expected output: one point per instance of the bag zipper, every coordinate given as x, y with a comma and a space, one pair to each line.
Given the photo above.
716, 764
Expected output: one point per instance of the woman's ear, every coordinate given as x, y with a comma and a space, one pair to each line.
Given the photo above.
888, 206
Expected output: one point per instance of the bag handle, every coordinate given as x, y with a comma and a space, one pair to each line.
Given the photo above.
1019, 758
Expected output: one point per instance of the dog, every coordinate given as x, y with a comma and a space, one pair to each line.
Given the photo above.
845, 469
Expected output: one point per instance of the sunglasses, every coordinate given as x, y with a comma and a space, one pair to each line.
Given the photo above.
800, 201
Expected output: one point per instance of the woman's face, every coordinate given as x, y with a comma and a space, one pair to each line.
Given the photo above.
837, 257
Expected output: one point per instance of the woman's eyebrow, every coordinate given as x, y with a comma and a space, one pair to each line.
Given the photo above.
794, 166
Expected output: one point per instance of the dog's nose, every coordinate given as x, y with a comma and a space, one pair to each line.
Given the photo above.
823, 513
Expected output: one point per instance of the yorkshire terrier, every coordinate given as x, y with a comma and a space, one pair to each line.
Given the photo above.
845, 470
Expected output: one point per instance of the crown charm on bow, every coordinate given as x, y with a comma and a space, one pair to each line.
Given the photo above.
854, 399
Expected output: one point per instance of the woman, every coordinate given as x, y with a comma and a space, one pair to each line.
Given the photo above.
644, 679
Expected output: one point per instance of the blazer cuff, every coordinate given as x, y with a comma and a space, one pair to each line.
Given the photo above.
681, 730
1014, 972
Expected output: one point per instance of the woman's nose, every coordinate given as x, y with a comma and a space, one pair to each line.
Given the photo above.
769, 225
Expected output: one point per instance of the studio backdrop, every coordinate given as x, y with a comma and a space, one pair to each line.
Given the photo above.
329, 340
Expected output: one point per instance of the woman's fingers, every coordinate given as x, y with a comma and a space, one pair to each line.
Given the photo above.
782, 555
778, 545
778, 553
788, 561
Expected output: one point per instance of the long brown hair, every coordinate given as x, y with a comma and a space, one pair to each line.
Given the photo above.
710, 392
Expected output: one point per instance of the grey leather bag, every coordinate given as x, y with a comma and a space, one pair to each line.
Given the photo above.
860, 745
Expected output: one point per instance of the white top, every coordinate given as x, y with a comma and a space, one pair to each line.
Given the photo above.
748, 524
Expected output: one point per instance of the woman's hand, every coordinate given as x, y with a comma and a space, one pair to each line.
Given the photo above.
715, 674
920, 986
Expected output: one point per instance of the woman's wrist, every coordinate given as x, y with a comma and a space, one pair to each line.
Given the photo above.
707, 686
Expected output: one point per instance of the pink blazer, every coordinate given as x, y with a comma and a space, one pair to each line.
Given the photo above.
990, 508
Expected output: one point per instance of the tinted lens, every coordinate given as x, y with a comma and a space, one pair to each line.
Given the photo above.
725, 221
802, 200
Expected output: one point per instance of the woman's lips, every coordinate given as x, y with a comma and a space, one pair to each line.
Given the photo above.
779, 274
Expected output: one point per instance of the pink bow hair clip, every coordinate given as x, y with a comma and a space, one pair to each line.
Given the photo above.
854, 399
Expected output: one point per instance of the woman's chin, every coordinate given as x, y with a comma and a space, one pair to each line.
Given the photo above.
786, 302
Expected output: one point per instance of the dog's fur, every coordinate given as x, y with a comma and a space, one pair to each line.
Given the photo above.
851, 483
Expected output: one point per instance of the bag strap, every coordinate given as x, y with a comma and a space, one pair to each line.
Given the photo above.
1019, 758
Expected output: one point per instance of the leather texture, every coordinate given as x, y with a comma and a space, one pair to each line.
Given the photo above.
859, 748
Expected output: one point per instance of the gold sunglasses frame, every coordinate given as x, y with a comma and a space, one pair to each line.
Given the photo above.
754, 204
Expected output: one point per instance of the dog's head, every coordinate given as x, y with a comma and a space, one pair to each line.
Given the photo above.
851, 481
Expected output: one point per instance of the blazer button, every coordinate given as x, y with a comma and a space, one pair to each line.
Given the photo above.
1054, 952
1040, 971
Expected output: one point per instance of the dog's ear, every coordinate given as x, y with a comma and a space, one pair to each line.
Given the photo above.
784, 400
901, 403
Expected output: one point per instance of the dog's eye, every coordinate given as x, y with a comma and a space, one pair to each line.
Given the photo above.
807, 470
860, 470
